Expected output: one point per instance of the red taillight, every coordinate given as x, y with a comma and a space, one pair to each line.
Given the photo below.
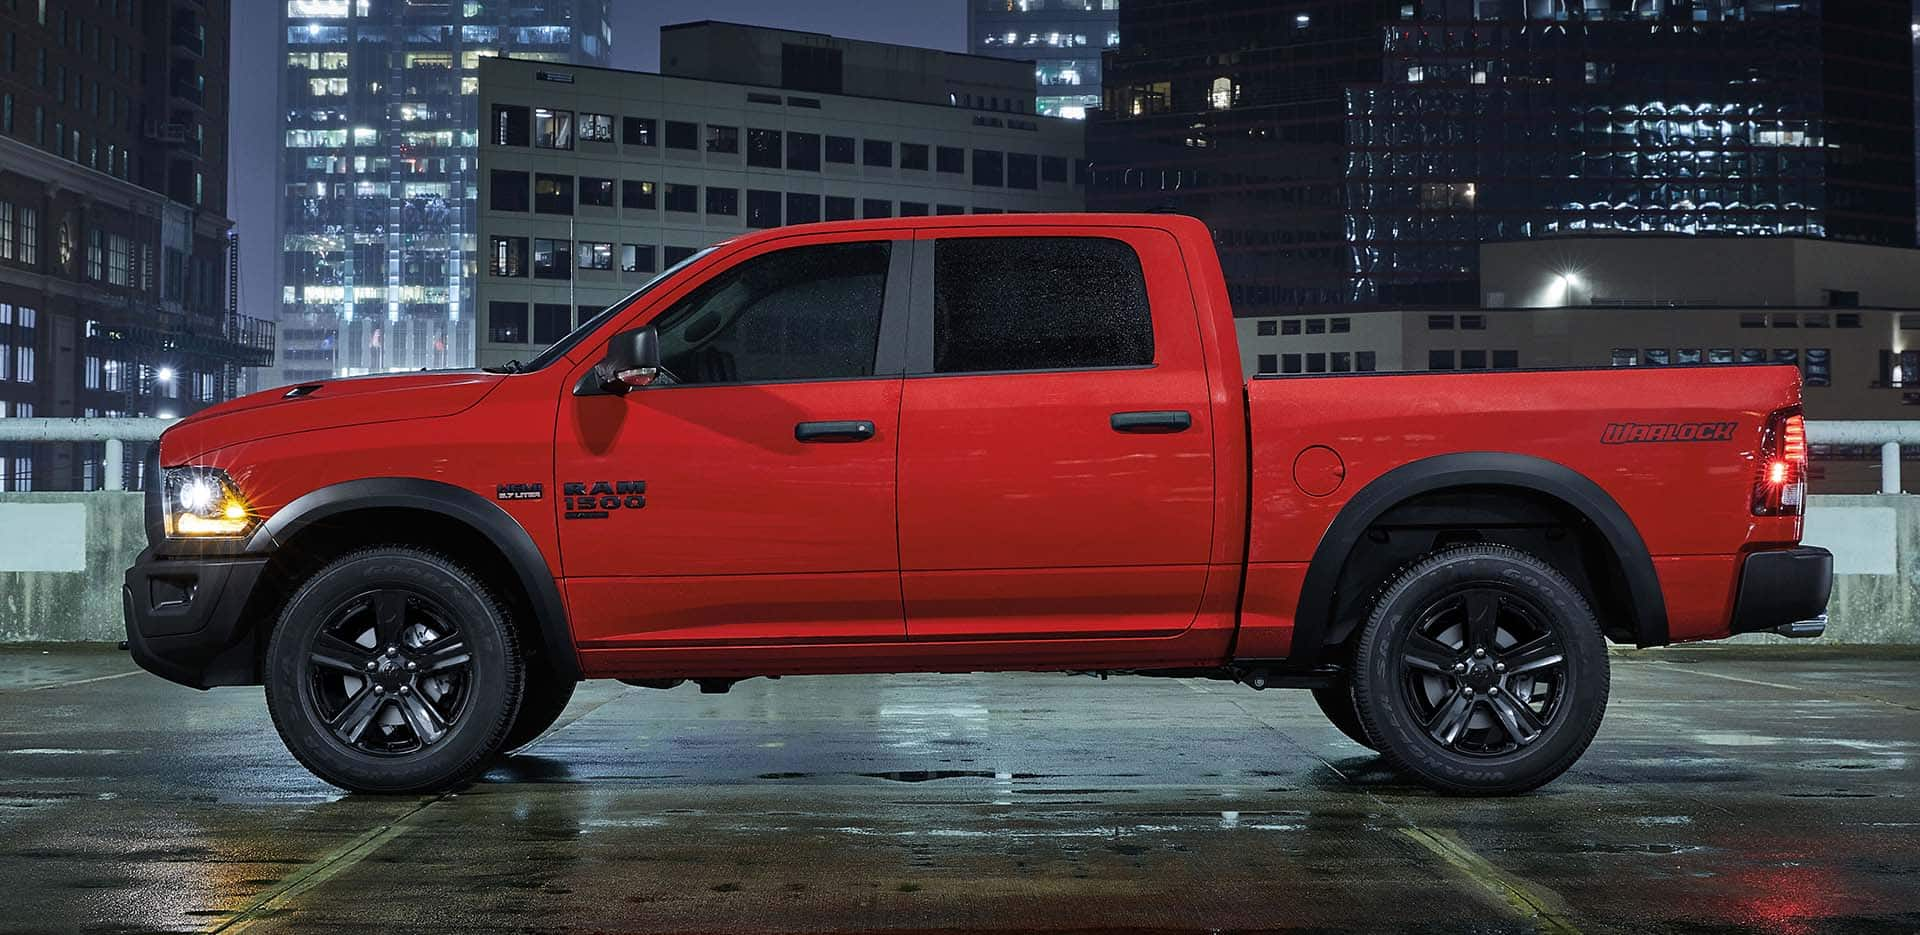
1781, 488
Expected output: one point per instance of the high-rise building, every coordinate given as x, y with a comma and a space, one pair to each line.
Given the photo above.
1355, 153
596, 179
113, 222
379, 171
1063, 39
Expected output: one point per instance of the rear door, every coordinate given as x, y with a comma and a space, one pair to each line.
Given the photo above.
1056, 450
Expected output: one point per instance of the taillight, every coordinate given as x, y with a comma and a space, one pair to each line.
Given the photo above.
1781, 488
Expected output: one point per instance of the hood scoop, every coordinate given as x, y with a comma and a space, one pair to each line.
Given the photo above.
302, 391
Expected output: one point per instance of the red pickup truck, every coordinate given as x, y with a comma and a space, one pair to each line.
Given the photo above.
963, 444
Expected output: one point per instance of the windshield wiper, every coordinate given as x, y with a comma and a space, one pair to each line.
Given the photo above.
511, 366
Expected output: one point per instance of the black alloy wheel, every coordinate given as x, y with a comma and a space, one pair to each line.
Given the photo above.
389, 671
1481, 670
394, 670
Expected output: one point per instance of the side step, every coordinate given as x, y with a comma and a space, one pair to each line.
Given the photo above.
1803, 629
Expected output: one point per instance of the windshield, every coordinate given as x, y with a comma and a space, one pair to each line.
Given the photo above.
561, 347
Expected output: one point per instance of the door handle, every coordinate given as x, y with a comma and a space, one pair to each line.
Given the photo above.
1160, 422
858, 430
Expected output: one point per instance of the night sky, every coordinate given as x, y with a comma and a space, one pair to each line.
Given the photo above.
254, 166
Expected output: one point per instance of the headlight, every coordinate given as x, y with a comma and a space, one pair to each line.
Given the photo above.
202, 502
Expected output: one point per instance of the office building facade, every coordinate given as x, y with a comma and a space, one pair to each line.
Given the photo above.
1847, 315
1355, 153
114, 239
597, 179
378, 171
1063, 38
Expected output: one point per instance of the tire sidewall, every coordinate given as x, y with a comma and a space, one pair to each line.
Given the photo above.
1386, 711
493, 676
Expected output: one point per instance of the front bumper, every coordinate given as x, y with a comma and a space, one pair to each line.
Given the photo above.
185, 617
1784, 592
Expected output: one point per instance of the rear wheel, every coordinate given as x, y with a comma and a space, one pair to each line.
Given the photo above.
1336, 702
393, 670
1481, 670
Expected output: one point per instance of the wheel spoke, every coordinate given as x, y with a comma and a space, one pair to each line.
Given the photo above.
389, 616
1447, 723
426, 722
1483, 609
332, 652
1538, 653
448, 652
1521, 725
1428, 654
353, 719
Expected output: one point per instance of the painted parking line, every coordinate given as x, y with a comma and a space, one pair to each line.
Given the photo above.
87, 681
276, 898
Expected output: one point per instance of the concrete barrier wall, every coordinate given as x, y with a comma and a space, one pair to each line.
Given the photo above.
62, 555
61, 560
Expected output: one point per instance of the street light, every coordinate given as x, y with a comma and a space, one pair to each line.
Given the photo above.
165, 375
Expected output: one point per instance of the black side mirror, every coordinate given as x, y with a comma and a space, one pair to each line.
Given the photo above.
632, 361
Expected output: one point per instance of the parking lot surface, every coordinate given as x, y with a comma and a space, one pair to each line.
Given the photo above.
1759, 789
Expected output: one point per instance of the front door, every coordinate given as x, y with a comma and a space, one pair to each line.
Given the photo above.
1056, 451
752, 499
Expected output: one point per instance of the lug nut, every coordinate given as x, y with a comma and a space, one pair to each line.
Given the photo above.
379, 689
371, 665
1457, 667
403, 689
411, 665
1499, 667
392, 649
1491, 689
1477, 653
1469, 692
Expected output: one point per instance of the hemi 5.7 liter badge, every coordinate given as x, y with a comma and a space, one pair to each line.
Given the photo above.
519, 491
600, 499
1634, 433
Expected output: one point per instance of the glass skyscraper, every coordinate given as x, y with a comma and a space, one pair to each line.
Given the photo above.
1063, 37
1357, 153
378, 171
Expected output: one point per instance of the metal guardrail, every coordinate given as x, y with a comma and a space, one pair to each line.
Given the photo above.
115, 432
1887, 433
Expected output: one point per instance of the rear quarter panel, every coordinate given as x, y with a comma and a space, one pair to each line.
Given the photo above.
1689, 501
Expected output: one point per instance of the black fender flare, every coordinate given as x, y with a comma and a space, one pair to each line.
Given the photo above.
1313, 618
460, 504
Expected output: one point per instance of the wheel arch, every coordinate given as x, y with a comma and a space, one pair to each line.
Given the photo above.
363, 511
1556, 486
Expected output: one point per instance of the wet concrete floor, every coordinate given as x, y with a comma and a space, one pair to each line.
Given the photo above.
1730, 790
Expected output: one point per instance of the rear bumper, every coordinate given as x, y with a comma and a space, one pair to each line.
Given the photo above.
184, 617
1784, 592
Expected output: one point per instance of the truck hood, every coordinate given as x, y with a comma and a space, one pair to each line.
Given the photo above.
325, 404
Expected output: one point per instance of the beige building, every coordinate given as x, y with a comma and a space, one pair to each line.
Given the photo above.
593, 179
1847, 315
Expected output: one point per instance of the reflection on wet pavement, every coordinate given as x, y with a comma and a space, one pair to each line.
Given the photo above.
1728, 791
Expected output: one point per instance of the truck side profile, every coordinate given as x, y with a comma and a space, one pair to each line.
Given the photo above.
960, 444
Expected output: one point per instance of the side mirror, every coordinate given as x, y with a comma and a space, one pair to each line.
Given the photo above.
632, 361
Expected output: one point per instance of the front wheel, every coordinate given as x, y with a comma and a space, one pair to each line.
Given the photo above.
393, 670
1481, 670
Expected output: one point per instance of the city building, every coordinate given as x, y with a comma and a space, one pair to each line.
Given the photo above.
596, 179
1848, 315
1062, 38
114, 237
378, 169
1354, 154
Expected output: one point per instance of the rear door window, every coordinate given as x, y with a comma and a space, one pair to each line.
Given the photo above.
1038, 303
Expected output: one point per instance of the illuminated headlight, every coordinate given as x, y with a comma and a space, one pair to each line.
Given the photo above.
202, 503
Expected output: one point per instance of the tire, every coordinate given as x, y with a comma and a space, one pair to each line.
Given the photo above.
1497, 723
545, 696
393, 670
1336, 702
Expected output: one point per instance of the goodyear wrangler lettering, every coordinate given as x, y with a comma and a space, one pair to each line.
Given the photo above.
1633, 433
